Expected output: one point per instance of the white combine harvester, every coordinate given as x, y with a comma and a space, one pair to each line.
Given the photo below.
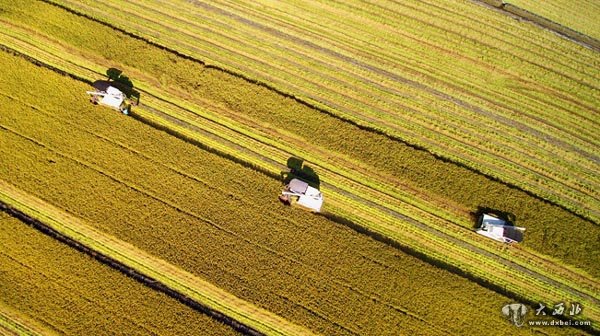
500, 230
299, 193
111, 97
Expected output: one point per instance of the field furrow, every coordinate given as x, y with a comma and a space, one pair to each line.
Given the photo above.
572, 14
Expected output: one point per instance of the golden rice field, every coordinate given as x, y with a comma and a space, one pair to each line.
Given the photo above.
303, 267
76, 295
414, 115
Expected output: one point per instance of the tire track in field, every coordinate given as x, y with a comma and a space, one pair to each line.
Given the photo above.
542, 22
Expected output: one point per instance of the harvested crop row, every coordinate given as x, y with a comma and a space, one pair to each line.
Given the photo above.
578, 15
296, 267
515, 82
403, 165
73, 294
480, 138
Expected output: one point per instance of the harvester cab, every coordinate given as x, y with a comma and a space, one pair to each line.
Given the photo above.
499, 229
299, 193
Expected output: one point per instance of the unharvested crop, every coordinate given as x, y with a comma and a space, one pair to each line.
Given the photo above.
68, 293
222, 221
417, 173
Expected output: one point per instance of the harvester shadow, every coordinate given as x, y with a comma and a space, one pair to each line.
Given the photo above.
117, 79
297, 169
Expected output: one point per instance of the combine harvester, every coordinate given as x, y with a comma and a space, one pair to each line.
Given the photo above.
500, 229
299, 193
110, 96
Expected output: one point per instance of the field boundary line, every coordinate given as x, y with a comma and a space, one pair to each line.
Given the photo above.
139, 265
541, 21
566, 206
